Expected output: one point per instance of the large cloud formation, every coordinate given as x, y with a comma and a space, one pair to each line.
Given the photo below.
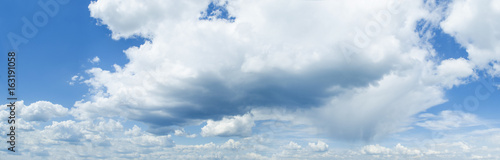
359, 76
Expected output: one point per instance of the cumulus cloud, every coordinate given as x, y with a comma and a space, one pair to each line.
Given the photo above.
181, 132
144, 139
65, 131
94, 60
141, 18
231, 144
231, 126
375, 149
92, 139
496, 70
472, 24
149, 140
75, 79
41, 111
320, 146
452, 72
292, 146
397, 150
108, 138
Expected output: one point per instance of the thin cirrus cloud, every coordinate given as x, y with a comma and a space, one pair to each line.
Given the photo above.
447, 120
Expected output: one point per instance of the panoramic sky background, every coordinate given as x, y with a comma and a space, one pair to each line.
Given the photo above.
235, 79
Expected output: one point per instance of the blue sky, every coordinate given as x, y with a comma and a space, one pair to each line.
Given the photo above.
77, 38
219, 79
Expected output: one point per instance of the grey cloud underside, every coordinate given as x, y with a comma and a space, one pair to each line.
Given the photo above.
277, 88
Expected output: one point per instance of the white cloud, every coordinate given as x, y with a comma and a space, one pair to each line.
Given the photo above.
229, 126
75, 78
452, 71
95, 60
181, 132
473, 24
375, 149
134, 131
41, 111
96, 139
495, 70
231, 144
255, 156
292, 146
135, 17
144, 139
149, 140
107, 138
319, 147
65, 131
449, 120
406, 151
391, 153
103, 126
